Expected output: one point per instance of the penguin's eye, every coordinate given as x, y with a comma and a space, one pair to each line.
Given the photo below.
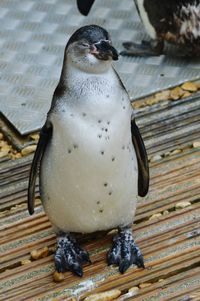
85, 45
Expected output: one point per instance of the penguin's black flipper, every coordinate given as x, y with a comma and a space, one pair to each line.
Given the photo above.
142, 159
84, 6
45, 136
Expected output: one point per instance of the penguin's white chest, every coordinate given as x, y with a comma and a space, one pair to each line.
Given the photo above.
89, 174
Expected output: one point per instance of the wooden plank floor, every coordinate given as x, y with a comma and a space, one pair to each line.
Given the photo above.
170, 242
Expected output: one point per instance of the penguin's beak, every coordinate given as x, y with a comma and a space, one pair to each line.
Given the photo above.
103, 50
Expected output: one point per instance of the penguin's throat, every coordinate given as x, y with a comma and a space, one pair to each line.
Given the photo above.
81, 82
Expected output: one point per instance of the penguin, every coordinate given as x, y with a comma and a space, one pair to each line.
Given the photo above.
172, 21
91, 157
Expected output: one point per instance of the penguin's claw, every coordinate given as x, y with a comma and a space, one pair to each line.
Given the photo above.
124, 265
139, 261
146, 48
125, 252
69, 256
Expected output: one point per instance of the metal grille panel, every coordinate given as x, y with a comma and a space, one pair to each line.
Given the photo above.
33, 35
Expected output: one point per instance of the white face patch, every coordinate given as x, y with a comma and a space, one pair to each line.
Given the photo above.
188, 22
86, 61
145, 19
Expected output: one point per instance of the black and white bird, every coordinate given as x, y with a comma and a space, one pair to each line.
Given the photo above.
173, 21
91, 158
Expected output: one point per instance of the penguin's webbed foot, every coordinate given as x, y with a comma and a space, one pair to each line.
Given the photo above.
146, 48
124, 251
69, 256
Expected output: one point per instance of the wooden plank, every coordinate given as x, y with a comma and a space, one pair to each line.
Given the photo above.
170, 243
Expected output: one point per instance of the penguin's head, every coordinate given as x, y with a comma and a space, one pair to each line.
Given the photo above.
90, 49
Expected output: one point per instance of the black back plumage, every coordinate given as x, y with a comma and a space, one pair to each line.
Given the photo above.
162, 13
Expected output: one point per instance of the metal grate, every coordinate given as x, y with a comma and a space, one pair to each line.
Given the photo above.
33, 35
